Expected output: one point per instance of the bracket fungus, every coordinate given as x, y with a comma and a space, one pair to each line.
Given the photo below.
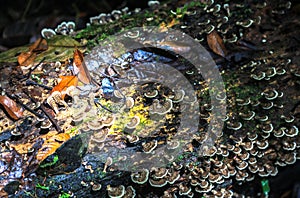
132, 124
116, 192
148, 147
161, 109
140, 177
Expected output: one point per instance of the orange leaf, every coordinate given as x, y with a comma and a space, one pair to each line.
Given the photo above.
47, 149
216, 44
80, 68
11, 107
51, 144
66, 81
22, 148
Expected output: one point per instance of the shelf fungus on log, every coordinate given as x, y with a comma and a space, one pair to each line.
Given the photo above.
148, 147
132, 138
132, 124
140, 177
116, 192
129, 193
161, 109
178, 96
151, 94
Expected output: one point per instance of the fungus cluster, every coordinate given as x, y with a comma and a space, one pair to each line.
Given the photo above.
260, 132
65, 28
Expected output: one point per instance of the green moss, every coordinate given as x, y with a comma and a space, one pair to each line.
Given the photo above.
42, 187
64, 195
54, 161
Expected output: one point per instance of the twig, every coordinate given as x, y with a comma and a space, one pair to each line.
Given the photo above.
23, 105
32, 69
57, 127
31, 82
42, 107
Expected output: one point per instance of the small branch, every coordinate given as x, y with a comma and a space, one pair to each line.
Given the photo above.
23, 105
56, 126
42, 107
32, 69
30, 82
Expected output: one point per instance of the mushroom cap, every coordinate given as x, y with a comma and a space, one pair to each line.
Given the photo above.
47, 33
173, 176
280, 132
130, 192
96, 187
129, 103
107, 121
292, 132
168, 194
158, 173
213, 178
132, 124
234, 125
184, 189
161, 109
116, 192
151, 94
242, 165
253, 168
148, 147
46, 124
248, 145
100, 136
158, 182
140, 177
263, 144
179, 95
224, 172
204, 184
268, 128
173, 144
95, 124
132, 138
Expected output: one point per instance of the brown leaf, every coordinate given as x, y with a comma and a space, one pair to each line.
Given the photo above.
176, 46
216, 44
22, 148
11, 107
66, 81
39, 45
80, 68
26, 58
53, 141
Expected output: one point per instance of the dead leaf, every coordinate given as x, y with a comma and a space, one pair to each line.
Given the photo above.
66, 81
22, 148
216, 44
28, 58
11, 107
175, 46
52, 142
60, 48
165, 26
80, 68
39, 45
